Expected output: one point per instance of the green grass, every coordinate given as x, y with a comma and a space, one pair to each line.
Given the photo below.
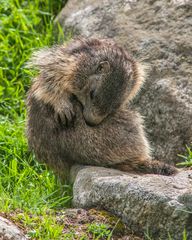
187, 157
25, 185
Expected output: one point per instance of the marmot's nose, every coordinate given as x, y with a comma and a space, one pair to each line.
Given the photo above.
90, 123
92, 119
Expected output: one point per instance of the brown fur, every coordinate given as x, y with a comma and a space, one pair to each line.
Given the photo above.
93, 80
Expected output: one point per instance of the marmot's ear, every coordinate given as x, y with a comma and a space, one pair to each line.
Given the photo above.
40, 59
104, 67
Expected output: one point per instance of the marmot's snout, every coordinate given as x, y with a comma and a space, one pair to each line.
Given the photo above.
91, 118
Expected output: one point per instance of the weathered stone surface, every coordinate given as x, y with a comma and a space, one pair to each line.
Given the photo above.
147, 203
9, 231
159, 32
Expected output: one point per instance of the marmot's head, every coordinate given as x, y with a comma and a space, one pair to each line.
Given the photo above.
100, 74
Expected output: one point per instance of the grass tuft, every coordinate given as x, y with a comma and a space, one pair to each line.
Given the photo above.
187, 158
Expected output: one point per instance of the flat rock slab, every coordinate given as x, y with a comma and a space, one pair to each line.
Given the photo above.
153, 204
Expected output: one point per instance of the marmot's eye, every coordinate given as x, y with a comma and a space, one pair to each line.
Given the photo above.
92, 94
100, 68
104, 67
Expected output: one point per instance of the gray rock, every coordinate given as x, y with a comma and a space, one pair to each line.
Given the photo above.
9, 231
158, 32
152, 204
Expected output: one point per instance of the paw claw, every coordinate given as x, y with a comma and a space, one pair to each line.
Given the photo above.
65, 115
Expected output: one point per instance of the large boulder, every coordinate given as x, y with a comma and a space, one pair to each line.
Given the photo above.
156, 205
158, 32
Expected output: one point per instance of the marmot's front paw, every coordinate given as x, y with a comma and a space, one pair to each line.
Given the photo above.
64, 114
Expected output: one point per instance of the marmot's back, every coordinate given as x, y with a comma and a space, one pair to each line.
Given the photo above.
117, 142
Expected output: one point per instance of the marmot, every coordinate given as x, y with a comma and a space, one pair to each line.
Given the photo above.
79, 112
